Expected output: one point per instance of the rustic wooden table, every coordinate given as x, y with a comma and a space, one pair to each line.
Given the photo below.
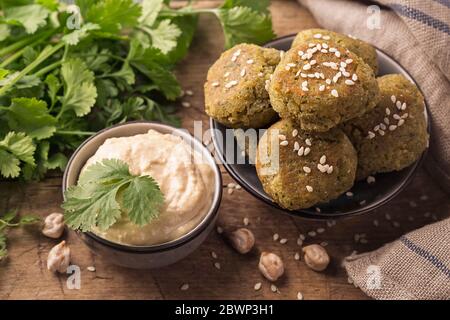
24, 275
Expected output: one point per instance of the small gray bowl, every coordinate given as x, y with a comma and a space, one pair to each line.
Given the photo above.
153, 256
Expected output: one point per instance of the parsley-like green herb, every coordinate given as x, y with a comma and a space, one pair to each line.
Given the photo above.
106, 192
10, 220
65, 74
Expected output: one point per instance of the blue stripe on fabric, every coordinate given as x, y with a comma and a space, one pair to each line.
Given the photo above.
426, 255
420, 16
444, 2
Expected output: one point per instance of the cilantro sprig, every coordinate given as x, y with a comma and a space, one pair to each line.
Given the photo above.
106, 191
66, 72
11, 220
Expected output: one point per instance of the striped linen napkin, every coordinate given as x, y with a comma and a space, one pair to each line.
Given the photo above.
417, 34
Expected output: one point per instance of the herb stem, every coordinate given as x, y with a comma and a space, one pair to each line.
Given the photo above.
24, 42
44, 55
48, 68
74, 133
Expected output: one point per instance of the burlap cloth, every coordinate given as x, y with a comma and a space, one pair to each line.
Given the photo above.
417, 34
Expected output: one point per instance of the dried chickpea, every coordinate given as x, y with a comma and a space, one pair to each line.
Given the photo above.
242, 240
316, 257
59, 258
53, 225
271, 266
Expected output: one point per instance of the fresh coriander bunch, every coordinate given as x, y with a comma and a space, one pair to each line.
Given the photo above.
67, 71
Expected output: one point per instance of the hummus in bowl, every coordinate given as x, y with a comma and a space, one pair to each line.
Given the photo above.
187, 175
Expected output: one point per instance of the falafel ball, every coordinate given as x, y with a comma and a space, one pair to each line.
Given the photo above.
362, 49
235, 90
300, 169
319, 86
394, 134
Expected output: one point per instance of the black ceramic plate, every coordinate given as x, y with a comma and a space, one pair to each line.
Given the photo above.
366, 197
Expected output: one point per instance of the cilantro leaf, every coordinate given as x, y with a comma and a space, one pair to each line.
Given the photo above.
31, 17
75, 36
53, 85
164, 36
242, 24
32, 117
14, 148
3, 250
113, 15
51, 5
261, 6
142, 200
150, 11
79, 89
105, 192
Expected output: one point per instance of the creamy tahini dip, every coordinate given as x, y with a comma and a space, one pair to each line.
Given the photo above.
186, 182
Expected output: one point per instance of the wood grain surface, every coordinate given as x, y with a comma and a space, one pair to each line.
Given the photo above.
24, 275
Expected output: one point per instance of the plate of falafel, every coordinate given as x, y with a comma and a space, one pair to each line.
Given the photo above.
318, 124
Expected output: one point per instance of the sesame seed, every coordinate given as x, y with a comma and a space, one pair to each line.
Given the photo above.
294, 132
332, 50
260, 74
334, 93
388, 111
326, 37
219, 230
231, 185
397, 117
296, 146
348, 61
386, 120
284, 143
311, 75
312, 62
405, 115
323, 159
234, 58
237, 53
297, 256
189, 92
257, 286
250, 61
91, 268
320, 230
328, 81
302, 237
371, 135
281, 137
273, 288
215, 84
307, 66
343, 64
299, 296
376, 223
301, 151
392, 127
300, 53
318, 35
354, 77
283, 241
398, 104
312, 233
337, 54
307, 151
400, 122
299, 242
330, 170
227, 74
246, 221
396, 224
324, 45
214, 255
381, 132
275, 237
186, 104
321, 168
403, 106
393, 99
346, 74
307, 169
349, 194
184, 287
217, 265
349, 82
370, 179
230, 191
324, 51
243, 72
231, 84
309, 189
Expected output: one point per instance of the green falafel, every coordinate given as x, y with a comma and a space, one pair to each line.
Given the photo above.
235, 90
319, 86
362, 49
300, 169
393, 135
